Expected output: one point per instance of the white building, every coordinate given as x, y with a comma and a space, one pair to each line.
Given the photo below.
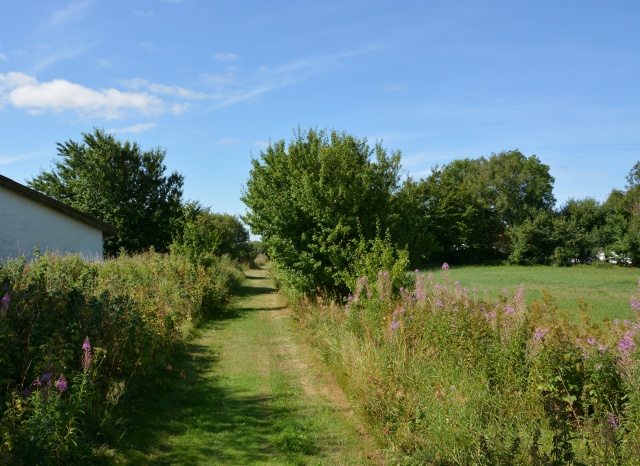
30, 220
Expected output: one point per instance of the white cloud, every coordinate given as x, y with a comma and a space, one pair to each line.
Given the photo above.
262, 144
9, 159
3, 56
73, 12
144, 14
220, 56
219, 79
395, 87
226, 141
176, 91
25, 92
139, 128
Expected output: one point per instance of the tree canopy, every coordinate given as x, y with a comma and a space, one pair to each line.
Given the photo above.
118, 183
312, 201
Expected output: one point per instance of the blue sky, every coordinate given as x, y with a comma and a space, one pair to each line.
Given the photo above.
212, 82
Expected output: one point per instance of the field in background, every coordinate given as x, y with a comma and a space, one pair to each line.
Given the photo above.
607, 290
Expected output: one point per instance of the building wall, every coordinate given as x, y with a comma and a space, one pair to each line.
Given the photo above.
26, 224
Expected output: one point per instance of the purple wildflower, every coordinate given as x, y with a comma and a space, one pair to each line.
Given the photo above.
61, 383
510, 310
626, 323
46, 378
616, 321
439, 303
395, 324
591, 341
635, 303
613, 421
626, 344
4, 304
490, 315
25, 393
445, 266
602, 348
86, 357
540, 333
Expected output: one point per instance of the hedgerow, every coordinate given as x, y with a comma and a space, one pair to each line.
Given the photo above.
76, 338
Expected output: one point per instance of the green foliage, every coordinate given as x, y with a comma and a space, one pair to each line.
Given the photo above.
449, 378
132, 311
120, 184
311, 199
206, 236
375, 257
472, 207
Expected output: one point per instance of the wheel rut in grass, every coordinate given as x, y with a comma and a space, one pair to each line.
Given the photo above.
252, 391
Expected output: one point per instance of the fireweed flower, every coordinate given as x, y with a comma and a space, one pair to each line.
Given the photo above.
46, 378
61, 383
510, 310
540, 333
4, 304
626, 345
445, 266
490, 315
86, 357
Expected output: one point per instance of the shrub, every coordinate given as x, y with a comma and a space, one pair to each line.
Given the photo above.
76, 336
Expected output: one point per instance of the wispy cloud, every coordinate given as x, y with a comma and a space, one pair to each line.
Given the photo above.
220, 56
9, 159
61, 54
135, 129
144, 14
3, 56
26, 92
176, 91
226, 141
267, 79
73, 12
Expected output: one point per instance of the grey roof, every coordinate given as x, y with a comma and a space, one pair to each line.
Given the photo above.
65, 209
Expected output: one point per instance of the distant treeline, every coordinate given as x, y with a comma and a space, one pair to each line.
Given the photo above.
327, 199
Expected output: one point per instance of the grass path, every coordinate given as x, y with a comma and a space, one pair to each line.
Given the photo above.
249, 391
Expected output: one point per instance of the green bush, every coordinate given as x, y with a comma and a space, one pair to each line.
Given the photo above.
76, 336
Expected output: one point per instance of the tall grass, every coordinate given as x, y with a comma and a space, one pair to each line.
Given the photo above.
447, 377
604, 289
76, 338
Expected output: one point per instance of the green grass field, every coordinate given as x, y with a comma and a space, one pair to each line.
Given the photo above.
606, 290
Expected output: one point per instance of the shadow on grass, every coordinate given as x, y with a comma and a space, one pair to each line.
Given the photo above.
215, 424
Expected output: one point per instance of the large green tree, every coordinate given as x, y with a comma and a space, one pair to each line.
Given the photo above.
474, 207
313, 199
118, 183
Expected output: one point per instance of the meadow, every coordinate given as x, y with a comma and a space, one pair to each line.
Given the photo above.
605, 290
446, 375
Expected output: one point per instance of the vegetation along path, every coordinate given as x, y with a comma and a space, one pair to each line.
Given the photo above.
250, 391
